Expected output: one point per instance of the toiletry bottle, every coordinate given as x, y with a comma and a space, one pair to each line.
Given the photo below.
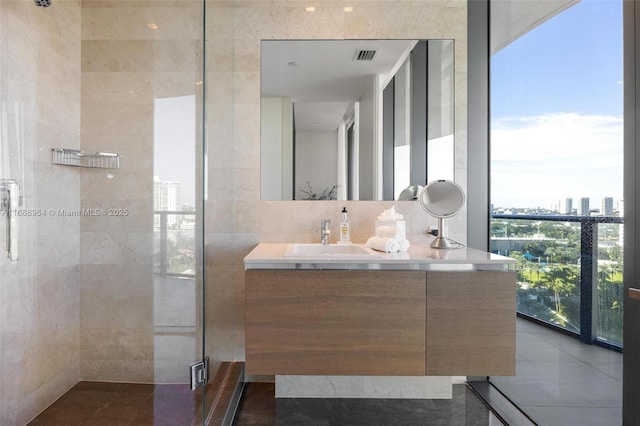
345, 228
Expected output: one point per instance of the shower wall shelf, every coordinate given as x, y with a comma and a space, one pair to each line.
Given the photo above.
77, 158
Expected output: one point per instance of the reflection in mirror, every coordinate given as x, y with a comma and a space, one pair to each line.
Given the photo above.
410, 193
355, 119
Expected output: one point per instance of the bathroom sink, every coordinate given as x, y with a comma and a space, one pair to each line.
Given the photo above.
331, 250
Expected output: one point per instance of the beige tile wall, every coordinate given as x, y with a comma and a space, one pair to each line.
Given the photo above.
236, 218
39, 293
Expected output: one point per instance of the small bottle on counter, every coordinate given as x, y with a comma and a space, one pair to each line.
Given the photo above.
345, 228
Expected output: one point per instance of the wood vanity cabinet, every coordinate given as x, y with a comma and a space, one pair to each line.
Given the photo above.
359, 323
379, 323
471, 323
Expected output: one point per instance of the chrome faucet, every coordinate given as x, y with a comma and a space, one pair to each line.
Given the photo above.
325, 232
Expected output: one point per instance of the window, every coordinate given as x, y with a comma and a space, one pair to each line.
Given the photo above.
557, 159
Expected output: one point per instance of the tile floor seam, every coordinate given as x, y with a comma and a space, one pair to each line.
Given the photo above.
572, 406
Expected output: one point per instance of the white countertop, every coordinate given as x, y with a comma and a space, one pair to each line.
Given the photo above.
418, 257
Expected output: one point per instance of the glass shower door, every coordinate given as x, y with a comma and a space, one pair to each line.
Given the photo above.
142, 96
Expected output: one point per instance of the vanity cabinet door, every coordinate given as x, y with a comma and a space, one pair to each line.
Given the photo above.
335, 322
471, 323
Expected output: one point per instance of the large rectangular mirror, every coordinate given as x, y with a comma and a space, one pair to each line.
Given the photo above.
355, 119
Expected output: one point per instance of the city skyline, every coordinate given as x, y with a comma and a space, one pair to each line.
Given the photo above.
605, 206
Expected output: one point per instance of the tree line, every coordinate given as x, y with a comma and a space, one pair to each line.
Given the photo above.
548, 271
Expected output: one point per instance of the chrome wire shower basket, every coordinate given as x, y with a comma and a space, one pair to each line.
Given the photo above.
77, 158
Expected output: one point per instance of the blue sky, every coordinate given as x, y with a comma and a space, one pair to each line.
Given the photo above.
556, 109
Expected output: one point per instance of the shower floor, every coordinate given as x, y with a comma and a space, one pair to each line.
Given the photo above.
122, 404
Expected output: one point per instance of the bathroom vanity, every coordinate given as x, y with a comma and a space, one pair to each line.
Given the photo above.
427, 312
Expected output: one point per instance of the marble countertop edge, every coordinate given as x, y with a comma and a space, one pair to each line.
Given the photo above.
418, 257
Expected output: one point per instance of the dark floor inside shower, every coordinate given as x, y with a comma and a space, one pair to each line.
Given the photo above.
129, 404
123, 404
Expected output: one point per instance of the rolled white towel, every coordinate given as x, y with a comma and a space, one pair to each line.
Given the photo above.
386, 231
403, 245
387, 245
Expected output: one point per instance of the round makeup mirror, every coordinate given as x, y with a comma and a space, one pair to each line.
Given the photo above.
441, 199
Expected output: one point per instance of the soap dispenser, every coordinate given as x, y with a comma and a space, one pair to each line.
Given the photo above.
345, 228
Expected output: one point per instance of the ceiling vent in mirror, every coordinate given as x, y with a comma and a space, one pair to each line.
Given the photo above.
364, 55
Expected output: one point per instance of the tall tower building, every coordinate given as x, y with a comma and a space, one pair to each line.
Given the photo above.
566, 207
584, 206
166, 197
607, 206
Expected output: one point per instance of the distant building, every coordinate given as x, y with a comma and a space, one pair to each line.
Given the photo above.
584, 206
166, 197
566, 207
607, 206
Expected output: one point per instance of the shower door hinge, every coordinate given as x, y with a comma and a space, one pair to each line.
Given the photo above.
199, 374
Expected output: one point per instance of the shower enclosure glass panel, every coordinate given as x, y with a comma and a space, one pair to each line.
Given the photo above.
141, 97
108, 286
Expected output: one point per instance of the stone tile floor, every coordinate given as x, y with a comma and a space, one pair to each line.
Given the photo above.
561, 381
259, 407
